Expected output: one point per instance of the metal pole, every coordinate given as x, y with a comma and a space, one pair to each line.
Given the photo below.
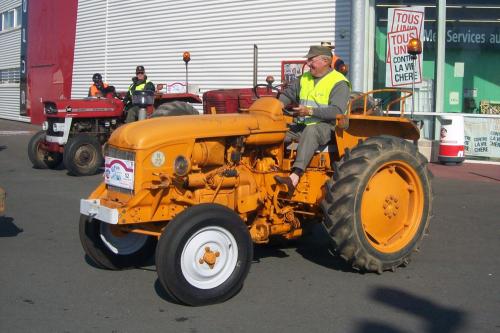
187, 85
255, 63
357, 50
440, 62
413, 57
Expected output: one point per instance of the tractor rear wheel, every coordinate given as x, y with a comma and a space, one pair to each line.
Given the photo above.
204, 255
378, 208
111, 248
176, 108
83, 155
40, 158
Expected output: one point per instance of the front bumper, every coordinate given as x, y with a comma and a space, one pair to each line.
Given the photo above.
94, 209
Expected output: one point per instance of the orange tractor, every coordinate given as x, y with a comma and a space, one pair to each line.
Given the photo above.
199, 190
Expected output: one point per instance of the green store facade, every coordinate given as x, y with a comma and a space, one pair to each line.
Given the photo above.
460, 66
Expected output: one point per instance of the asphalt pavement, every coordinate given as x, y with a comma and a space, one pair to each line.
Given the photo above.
48, 285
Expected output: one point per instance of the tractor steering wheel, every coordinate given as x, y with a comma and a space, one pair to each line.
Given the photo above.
269, 87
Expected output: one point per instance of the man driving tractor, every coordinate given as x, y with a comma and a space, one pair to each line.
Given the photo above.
139, 83
321, 94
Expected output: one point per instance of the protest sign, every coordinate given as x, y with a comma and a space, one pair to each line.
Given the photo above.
403, 24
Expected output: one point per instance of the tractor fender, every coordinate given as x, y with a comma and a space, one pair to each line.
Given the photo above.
360, 127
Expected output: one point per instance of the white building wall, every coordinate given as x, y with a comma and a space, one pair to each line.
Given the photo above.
9, 4
10, 50
114, 36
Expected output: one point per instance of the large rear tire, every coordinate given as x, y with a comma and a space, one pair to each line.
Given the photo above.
111, 248
378, 208
176, 108
40, 158
204, 255
83, 155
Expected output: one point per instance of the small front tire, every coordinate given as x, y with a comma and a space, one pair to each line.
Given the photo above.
42, 159
204, 255
83, 155
111, 248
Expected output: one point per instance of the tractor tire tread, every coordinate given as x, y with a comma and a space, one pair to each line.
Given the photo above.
341, 194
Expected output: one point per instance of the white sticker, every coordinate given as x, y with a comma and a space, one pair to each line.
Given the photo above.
454, 98
119, 173
459, 69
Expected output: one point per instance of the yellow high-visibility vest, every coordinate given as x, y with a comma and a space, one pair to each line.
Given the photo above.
138, 87
313, 96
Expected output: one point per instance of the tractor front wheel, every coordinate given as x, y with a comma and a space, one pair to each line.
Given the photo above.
378, 208
112, 248
83, 155
40, 158
204, 255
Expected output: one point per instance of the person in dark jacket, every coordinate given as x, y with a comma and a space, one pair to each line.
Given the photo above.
140, 82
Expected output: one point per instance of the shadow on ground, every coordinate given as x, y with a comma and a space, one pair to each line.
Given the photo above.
434, 317
316, 247
8, 228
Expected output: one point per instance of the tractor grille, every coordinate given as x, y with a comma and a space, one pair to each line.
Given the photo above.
118, 153
121, 154
220, 106
50, 126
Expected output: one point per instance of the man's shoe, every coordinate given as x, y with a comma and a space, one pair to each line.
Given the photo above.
286, 181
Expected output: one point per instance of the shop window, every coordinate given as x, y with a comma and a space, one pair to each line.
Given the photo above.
10, 75
424, 94
471, 84
472, 52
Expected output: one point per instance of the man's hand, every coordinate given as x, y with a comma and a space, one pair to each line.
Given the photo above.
302, 111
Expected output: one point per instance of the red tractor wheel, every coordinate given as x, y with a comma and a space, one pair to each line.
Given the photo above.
40, 158
83, 155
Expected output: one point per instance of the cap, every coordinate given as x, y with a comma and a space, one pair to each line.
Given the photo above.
318, 50
328, 44
139, 69
96, 77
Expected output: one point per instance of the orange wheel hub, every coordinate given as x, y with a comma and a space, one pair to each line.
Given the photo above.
391, 206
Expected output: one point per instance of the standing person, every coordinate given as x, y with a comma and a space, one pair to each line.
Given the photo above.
139, 83
337, 63
321, 94
98, 88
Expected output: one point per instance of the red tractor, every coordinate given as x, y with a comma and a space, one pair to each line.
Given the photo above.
76, 130
234, 100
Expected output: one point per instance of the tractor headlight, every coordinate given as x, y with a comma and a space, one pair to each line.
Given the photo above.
58, 127
181, 166
158, 158
45, 125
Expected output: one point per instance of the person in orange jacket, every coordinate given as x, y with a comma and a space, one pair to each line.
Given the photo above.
99, 88
337, 63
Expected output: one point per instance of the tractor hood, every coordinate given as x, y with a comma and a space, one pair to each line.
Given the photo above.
264, 118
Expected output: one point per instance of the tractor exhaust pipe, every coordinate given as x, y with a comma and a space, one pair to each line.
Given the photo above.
255, 63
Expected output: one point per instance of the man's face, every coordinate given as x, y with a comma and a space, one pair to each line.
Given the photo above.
140, 75
318, 65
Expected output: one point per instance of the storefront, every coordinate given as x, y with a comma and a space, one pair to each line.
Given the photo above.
460, 73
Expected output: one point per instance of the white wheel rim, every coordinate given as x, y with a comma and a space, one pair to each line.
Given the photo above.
121, 245
198, 273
